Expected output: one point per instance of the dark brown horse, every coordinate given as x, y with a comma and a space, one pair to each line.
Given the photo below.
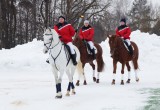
87, 58
119, 53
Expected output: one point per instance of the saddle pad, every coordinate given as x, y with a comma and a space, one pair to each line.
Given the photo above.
127, 47
89, 52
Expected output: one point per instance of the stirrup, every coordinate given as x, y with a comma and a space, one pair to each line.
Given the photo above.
47, 61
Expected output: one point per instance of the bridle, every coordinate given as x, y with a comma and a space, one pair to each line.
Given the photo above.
115, 47
51, 40
49, 48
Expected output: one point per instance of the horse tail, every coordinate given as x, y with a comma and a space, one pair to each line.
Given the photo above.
100, 64
99, 59
79, 68
136, 56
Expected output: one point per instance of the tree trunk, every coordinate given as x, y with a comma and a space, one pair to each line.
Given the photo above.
34, 19
5, 24
0, 26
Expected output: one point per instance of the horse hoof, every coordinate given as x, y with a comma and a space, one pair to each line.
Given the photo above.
58, 97
67, 94
73, 93
128, 81
97, 81
77, 84
94, 79
85, 83
113, 82
137, 80
122, 82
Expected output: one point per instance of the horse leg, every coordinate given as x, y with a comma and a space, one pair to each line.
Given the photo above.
114, 71
55, 73
85, 82
59, 95
78, 81
97, 77
58, 84
80, 71
69, 84
135, 64
122, 74
100, 65
72, 84
93, 67
129, 72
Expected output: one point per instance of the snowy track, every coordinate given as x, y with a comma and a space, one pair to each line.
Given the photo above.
27, 83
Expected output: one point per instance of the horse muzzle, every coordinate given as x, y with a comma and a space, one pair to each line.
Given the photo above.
45, 51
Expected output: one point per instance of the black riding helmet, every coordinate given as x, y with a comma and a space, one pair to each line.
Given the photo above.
62, 17
123, 20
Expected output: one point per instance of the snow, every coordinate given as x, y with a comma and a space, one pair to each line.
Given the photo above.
27, 83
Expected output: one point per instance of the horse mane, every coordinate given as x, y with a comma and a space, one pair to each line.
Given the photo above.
54, 32
117, 41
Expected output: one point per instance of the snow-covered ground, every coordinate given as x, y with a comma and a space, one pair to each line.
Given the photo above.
27, 83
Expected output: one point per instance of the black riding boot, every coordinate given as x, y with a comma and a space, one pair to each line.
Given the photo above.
93, 52
73, 57
130, 50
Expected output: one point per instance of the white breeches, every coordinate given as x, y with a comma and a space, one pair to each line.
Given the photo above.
71, 47
128, 42
91, 44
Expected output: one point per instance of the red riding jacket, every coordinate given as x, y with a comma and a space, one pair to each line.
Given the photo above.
66, 31
86, 33
123, 31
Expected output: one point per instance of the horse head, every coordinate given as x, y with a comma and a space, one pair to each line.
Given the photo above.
112, 43
50, 38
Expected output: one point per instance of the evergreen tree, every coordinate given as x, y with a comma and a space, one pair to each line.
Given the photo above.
140, 16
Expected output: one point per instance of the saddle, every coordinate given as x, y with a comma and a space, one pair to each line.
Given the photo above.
89, 50
129, 48
69, 56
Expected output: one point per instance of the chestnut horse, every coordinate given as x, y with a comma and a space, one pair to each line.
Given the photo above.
119, 53
87, 58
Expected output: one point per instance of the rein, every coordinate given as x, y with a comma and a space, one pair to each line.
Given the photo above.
49, 48
54, 59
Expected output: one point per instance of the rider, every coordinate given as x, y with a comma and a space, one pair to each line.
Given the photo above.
86, 34
124, 32
66, 32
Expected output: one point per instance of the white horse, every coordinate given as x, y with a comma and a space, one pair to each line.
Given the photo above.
59, 61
